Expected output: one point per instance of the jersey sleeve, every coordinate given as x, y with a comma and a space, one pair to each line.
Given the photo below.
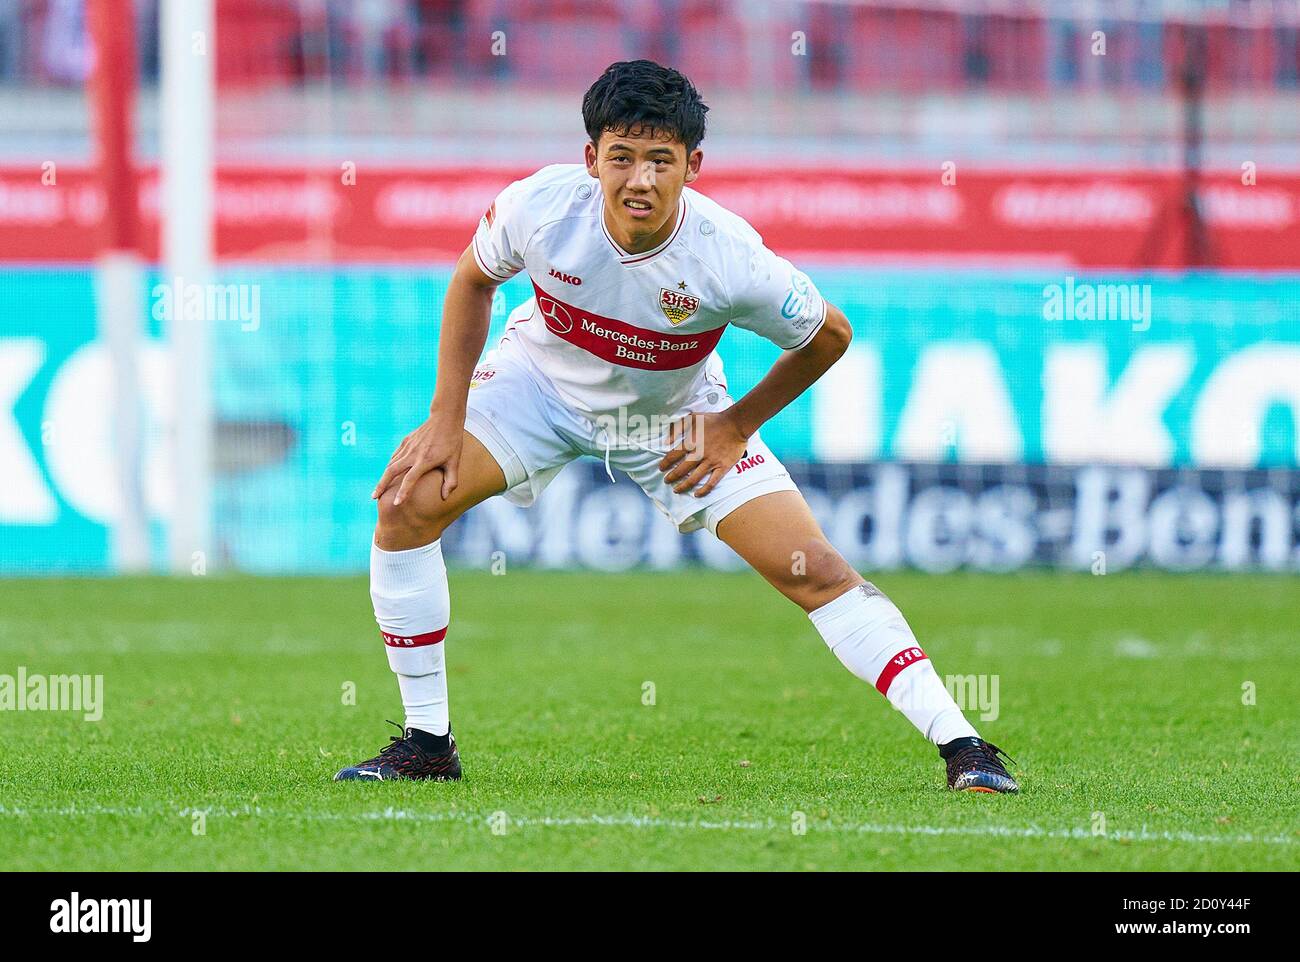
777, 300
503, 234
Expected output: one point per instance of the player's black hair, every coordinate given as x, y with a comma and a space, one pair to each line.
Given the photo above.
643, 95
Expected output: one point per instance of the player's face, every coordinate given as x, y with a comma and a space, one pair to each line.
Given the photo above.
642, 178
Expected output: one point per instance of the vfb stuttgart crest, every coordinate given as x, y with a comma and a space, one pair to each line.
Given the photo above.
677, 306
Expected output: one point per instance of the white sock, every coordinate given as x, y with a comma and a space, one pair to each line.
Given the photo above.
413, 608
870, 636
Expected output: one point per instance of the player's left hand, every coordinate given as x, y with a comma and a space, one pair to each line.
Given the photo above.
703, 448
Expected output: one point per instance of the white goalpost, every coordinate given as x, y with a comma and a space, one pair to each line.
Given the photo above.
187, 88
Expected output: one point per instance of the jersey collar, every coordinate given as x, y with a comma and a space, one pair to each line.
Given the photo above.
628, 260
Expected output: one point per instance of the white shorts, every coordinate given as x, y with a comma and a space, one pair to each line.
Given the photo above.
518, 416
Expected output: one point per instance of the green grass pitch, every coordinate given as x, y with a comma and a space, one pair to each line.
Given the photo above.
1123, 699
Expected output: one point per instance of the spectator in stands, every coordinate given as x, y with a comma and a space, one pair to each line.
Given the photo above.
146, 33
360, 32
442, 35
374, 21
66, 49
12, 34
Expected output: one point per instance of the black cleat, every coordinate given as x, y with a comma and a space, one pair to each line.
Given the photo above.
411, 756
973, 766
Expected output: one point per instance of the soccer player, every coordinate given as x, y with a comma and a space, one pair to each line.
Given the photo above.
635, 277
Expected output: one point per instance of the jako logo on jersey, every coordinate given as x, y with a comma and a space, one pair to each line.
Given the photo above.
567, 278
744, 464
677, 306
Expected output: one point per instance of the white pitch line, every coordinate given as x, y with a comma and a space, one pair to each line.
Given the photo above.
629, 820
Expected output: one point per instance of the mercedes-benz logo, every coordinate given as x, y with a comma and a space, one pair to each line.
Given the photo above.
557, 317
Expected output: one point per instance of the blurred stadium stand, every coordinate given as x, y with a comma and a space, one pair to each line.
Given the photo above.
966, 426
1012, 81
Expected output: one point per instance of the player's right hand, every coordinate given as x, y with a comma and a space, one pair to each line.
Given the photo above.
434, 445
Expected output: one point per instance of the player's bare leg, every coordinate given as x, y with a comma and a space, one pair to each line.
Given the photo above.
424, 514
408, 585
779, 538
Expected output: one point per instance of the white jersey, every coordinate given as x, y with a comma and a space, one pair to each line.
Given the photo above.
636, 333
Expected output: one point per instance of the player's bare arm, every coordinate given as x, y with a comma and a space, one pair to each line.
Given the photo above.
436, 444
706, 446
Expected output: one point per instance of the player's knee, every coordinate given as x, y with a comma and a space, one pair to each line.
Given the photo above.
825, 576
418, 520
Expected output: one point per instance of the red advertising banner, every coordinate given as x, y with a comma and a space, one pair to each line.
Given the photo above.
1097, 220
